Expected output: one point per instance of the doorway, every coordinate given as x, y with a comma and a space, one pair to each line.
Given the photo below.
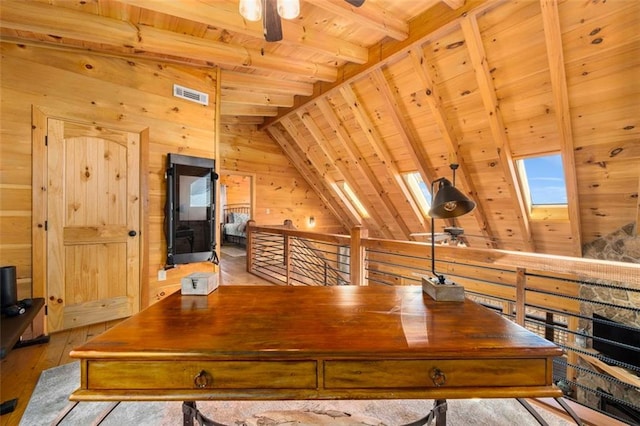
236, 208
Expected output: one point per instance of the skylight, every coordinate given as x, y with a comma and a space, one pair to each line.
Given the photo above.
353, 198
543, 180
419, 191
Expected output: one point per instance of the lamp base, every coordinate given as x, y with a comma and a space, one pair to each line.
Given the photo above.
447, 292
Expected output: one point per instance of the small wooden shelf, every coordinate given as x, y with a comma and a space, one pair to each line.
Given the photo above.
12, 328
619, 373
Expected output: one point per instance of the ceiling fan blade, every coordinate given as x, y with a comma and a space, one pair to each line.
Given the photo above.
271, 21
356, 3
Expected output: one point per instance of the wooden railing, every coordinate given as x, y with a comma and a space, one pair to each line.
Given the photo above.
552, 296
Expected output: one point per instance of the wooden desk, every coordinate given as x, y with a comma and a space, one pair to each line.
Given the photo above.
348, 342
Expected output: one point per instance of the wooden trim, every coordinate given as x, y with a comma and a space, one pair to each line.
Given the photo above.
376, 142
323, 144
144, 220
39, 203
478, 57
553, 38
309, 175
359, 164
448, 135
356, 267
413, 147
521, 285
324, 179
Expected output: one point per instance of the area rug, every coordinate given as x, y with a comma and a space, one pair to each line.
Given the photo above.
233, 251
50, 397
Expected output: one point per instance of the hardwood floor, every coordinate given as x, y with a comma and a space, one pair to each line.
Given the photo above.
20, 370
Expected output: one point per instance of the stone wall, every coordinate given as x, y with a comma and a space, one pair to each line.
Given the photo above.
598, 297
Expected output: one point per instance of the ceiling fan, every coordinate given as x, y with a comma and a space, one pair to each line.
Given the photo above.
272, 10
454, 236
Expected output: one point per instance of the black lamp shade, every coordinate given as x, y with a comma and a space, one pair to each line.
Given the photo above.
450, 202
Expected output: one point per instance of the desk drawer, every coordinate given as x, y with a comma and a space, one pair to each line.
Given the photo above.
434, 373
201, 375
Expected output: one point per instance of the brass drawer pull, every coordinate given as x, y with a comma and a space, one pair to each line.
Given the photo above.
202, 380
438, 377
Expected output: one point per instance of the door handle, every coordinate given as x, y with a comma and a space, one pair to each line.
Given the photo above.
132, 233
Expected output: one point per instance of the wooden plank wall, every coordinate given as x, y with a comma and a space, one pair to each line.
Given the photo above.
238, 188
127, 94
131, 95
281, 191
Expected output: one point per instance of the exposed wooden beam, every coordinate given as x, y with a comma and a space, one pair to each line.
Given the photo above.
412, 146
358, 162
446, 130
553, 38
477, 55
112, 34
323, 144
369, 16
252, 82
454, 4
326, 180
294, 35
435, 21
242, 120
310, 175
375, 140
228, 108
254, 98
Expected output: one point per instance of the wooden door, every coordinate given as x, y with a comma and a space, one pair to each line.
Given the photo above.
93, 224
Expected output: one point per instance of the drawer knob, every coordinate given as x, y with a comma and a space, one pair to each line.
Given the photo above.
202, 380
438, 377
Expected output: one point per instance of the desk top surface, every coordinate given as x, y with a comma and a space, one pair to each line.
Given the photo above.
237, 322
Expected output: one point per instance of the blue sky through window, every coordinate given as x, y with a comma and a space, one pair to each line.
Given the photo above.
545, 177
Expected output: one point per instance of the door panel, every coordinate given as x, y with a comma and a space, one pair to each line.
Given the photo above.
93, 241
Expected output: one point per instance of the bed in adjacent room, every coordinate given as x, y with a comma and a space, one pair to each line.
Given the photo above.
234, 226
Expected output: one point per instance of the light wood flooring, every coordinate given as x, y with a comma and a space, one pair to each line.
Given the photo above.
20, 370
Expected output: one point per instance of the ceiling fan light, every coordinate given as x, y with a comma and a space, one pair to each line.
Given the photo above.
289, 9
251, 10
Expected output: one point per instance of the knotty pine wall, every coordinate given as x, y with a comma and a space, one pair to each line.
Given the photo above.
238, 188
280, 191
131, 95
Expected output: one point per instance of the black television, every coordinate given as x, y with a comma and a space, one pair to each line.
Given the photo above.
612, 340
190, 209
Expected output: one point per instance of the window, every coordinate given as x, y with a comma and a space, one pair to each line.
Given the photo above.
543, 182
344, 190
419, 190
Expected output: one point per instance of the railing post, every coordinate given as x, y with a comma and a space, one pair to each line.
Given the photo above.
288, 224
521, 281
356, 269
250, 224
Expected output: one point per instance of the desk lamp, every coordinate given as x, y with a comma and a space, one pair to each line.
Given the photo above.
448, 202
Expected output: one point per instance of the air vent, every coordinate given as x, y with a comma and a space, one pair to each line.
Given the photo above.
190, 94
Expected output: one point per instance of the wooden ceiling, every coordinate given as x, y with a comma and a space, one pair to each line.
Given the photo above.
365, 95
